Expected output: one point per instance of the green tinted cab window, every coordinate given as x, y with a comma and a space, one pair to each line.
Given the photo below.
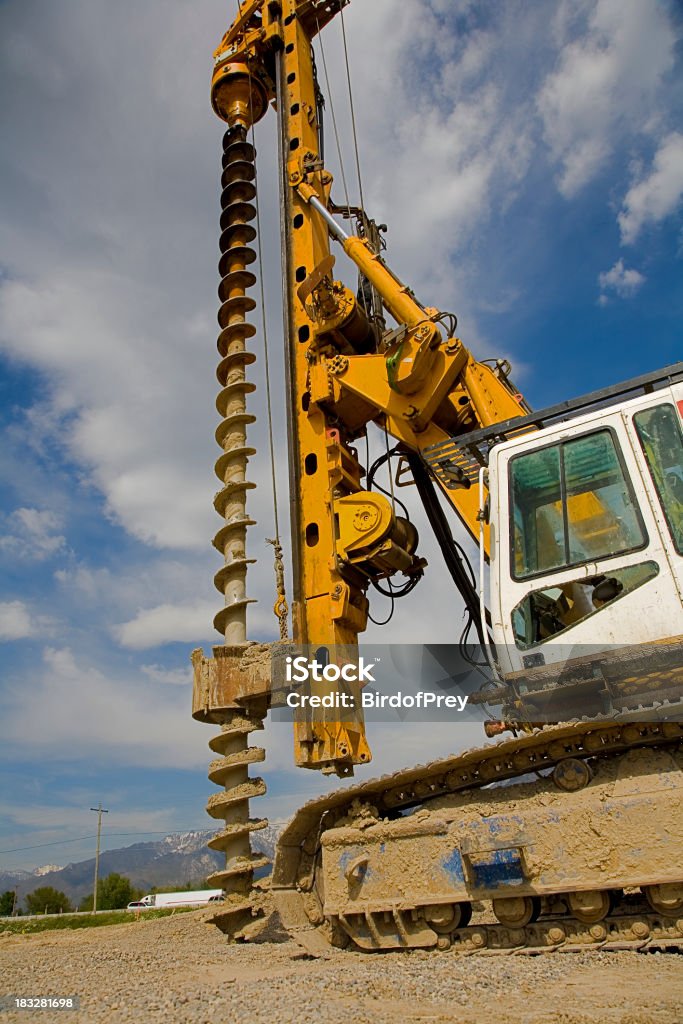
659, 431
572, 503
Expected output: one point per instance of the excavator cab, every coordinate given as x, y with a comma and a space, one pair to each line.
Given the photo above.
586, 518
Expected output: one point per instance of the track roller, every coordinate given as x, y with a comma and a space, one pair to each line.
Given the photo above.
591, 906
666, 900
517, 911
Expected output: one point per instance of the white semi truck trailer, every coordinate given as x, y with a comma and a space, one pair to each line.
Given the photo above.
192, 898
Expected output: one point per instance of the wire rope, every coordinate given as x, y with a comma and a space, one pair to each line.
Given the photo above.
334, 117
351, 107
280, 607
266, 363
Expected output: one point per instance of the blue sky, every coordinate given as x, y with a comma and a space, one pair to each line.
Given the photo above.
528, 159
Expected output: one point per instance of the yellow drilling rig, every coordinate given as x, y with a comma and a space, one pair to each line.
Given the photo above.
569, 833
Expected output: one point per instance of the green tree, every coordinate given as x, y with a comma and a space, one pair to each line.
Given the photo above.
113, 893
7, 903
116, 891
46, 900
202, 883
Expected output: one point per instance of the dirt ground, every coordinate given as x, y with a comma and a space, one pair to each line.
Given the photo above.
181, 969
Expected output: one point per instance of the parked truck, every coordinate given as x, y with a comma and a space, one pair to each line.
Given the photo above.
192, 898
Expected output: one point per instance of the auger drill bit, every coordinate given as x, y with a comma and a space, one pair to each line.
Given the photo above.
231, 769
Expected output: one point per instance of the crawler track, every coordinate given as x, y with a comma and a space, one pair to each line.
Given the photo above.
297, 877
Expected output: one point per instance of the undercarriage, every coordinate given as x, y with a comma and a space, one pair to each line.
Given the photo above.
568, 838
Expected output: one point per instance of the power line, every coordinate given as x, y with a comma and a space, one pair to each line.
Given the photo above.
78, 839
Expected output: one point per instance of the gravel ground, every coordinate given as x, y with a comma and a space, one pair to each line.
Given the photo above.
182, 969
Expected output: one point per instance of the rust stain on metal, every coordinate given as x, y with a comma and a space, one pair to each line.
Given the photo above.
232, 676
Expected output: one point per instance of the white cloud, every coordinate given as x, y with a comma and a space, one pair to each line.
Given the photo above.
58, 819
113, 298
658, 194
91, 583
72, 711
125, 427
167, 623
139, 584
607, 84
16, 622
20, 621
459, 149
168, 676
33, 534
108, 293
111, 293
624, 281
40, 526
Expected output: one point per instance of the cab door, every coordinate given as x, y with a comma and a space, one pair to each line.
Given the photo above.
583, 556
655, 428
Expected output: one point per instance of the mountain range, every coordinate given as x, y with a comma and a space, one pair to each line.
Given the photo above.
182, 858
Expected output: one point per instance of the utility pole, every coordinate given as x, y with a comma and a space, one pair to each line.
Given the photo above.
100, 811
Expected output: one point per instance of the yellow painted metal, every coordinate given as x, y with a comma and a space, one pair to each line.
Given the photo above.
371, 534
237, 96
421, 386
395, 296
329, 607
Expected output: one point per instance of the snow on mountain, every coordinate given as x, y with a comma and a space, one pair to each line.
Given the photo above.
182, 858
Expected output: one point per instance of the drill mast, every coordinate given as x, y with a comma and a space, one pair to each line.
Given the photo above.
344, 371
